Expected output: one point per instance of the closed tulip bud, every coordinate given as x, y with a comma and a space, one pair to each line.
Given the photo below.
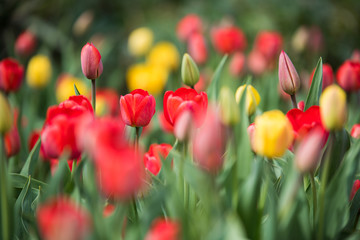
5, 115
252, 99
308, 152
189, 71
140, 41
25, 44
229, 110
38, 71
137, 108
288, 76
11, 75
355, 131
333, 108
273, 134
348, 76
197, 48
354, 189
91, 63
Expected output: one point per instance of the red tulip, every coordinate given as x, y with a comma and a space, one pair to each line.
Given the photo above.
25, 44
209, 143
162, 229
152, 159
197, 48
269, 44
237, 64
61, 218
354, 189
228, 39
12, 138
355, 131
257, 63
328, 76
11, 75
185, 99
137, 108
54, 163
301, 105
58, 133
348, 76
91, 63
187, 26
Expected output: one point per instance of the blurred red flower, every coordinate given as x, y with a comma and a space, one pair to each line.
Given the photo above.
188, 25
228, 39
197, 48
12, 138
355, 131
25, 44
354, 189
164, 229
11, 75
111, 100
152, 159
91, 63
269, 44
237, 64
328, 76
348, 76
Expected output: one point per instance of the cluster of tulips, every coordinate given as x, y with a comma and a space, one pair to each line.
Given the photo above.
231, 172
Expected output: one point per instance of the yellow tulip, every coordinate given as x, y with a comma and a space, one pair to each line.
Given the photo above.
140, 41
252, 98
273, 134
333, 109
5, 115
65, 87
164, 54
38, 71
151, 78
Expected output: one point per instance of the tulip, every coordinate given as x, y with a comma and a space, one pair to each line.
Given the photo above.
39, 71
184, 126
307, 154
108, 102
91, 63
164, 54
288, 76
58, 133
189, 71
156, 153
137, 108
354, 189
327, 77
348, 76
269, 44
355, 56
11, 75
162, 229
25, 44
257, 63
65, 87
140, 41
228, 39
252, 99
6, 119
237, 64
229, 110
187, 26
355, 131
197, 48
333, 108
61, 218
185, 99
273, 134
12, 138
301, 106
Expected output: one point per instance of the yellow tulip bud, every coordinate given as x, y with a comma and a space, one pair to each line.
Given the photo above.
140, 41
151, 78
333, 109
229, 110
38, 71
252, 98
273, 134
65, 87
164, 54
5, 115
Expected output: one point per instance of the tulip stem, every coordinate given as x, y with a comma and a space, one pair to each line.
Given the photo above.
137, 137
293, 100
3, 189
93, 94
314, 197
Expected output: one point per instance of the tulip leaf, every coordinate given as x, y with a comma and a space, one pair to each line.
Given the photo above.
18, 181
29, 166
214, 85
77, 93
60, 179
315, 88
354, 212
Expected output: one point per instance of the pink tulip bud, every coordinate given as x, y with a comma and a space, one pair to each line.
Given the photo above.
355, 131
257, 63
187, 26
301, 105
354, 189
237, 64
197, 48
288, 76
184, 126
91, 63
25, 44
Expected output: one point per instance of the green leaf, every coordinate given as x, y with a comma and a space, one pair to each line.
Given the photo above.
214, 85
60, 179
18, 181
315, 88
354, 212
77, 93
29, 166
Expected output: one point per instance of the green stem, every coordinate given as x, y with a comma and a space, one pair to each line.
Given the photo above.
3, 190
137, 137
293, 100
313, 188
186, 187
93, 94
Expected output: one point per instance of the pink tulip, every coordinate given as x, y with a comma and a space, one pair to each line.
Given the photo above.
237, 64
91, 63
187, 26
288, 76
197, 48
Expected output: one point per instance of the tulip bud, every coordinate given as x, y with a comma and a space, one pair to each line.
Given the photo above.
162, 229
333, 109
11, 75
288, 76
348, 76
308, 153
301, 105
229, 110
197, 48
273, 134
140, 41
5, 115
184, 126
189, 71
237, 64
257, 62
38, 71
91, 63
25, 44
355, 131
252, 99
354, 189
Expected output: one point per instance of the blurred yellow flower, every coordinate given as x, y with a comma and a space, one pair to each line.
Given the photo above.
252, 98
65, 87
164, 54
101, 107
273, 134
140, 41
151, 78
333, 110
38, 71
5, 115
